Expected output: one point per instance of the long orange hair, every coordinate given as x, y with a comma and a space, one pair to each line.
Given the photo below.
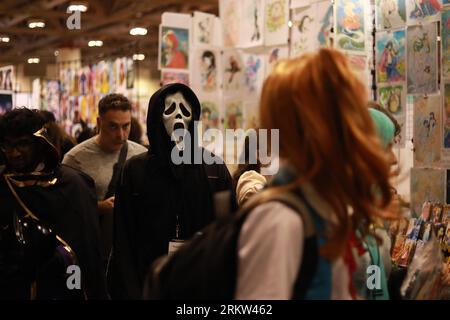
326, 133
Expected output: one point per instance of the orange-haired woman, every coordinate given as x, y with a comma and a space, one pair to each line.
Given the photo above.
333, 163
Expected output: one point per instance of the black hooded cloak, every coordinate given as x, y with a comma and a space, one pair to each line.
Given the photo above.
60, 199
154, 194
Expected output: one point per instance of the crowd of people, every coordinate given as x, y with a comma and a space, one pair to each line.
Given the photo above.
113, 207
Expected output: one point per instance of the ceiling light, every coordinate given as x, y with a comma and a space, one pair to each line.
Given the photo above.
95, 43
138, 31
36, 24
77, 7
33, 60
138, 56
4, 39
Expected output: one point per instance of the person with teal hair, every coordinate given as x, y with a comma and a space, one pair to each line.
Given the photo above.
374, 264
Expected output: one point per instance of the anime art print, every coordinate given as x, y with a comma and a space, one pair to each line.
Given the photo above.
390, 14
350, 28
174, 48
422, 59
390, 49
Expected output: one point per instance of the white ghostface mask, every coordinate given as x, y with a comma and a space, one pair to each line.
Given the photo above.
177, 115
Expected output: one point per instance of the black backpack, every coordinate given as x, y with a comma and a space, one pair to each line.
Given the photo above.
205, 268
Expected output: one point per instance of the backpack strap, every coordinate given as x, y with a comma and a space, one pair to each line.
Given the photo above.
294, 200
298, 202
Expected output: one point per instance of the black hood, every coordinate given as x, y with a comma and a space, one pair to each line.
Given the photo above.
159, 140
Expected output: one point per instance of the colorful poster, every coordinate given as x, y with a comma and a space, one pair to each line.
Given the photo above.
427, 131
174, 48
51, 97
252, 23
350, 28
393, 98
422, 59
426, 185
231, 17
251, 110
130, 73
358, 64
234, 115
445, 35
276, 19
390, 14
311, 27
233, 71
325, 18
253, 75
174, 77
210, 114
275, 54
423, 10
121, 73
446, 115
390, 52
6, 78
206, 64
203, 26
303, 31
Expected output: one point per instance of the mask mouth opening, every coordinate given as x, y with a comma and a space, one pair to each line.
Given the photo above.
178, 125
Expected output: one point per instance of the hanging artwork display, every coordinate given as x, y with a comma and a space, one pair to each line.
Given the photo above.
390, 53
424, 10
231, 17
276, 17
168, 76
275, 54
422, 59
130, 73
446, 115
303, 30
174, 48
252, 23
427, 131
211, 114
350, 25
121, 76
233, 71
426, 185
203, 29
324, 22
251, 112
253, 75
390, 14
358, 64
234, 114
311, 27
445, 36
51, 93
207, 64
6, 78
393, 99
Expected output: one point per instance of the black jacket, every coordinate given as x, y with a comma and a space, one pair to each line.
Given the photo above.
154, 194
69, 209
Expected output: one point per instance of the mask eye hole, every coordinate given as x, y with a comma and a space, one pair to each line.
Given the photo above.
171, 109
184, 110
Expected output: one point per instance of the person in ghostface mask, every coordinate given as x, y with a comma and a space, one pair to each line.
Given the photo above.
159, 203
